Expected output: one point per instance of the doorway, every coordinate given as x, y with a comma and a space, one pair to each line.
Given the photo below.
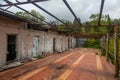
54, 42
11, 47
68, 43
35, 46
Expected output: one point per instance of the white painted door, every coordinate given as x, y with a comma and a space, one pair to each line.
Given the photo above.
35, 46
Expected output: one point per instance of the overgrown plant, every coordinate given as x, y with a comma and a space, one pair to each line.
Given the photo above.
92, 43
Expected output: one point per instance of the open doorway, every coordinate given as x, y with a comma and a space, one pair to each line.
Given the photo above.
11, 47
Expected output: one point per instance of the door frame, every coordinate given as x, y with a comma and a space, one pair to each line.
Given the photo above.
16, 46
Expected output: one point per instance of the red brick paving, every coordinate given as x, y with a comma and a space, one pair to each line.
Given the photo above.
51, 72
85, 69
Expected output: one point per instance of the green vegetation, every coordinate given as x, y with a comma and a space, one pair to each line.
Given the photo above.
30, 17
92, 43
39, 57
103, 52
75, 27
111, 50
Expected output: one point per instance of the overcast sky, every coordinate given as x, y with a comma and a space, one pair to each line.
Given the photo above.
82, 8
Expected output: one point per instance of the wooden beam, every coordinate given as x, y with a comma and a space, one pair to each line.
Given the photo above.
94, 26
116, 45
81, 35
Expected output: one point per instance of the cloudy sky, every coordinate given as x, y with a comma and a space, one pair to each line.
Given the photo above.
82, 8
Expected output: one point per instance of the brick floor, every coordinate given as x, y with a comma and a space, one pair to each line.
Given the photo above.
77, 64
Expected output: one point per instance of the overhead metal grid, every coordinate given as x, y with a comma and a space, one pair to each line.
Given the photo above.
66, 3
101, 10
9, 3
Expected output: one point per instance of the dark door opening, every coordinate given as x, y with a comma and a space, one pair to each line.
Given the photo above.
68, 43
11, 47
71, 43
54, 42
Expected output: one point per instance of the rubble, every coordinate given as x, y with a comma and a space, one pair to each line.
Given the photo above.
11, 65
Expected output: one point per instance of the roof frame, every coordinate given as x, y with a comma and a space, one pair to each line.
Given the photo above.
47, 12
101, 10
33, 2
68, 6
9, 2
20, 3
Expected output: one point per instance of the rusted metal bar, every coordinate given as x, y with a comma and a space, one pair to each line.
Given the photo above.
12, 13
105, 25
82, 35
66, 3
21, 3
101, 10
4, 10
27, 12
116, 50
47, 12
17, 1
8, 7
107, 46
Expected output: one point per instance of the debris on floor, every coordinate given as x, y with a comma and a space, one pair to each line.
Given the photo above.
11, 65
33, 59
58, 66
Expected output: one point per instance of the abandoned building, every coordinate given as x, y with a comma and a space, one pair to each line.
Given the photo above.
19, 42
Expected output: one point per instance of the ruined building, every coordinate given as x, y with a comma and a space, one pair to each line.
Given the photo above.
21, 39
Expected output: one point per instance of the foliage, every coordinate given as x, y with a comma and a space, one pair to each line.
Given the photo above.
67, 27
39, 57
103, 52
92, 43
105, 20
28, 16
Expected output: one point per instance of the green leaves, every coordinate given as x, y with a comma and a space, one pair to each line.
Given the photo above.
28, 16
92, 43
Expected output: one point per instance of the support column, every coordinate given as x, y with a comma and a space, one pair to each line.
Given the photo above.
116, 43
107, 46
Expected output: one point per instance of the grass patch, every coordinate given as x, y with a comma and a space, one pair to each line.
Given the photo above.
39, 57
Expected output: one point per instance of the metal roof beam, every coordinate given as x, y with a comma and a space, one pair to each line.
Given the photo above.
66, 3
47, 12
20, 3
5, 10
101, 10
27, 12
12, 13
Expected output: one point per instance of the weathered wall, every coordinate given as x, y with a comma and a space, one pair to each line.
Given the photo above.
25, 40
7, 26
26, 43
4, 31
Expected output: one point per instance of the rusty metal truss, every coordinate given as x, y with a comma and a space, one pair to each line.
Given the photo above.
10, 4
18, 2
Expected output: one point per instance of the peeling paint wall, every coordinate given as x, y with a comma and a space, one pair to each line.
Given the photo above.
25, 40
